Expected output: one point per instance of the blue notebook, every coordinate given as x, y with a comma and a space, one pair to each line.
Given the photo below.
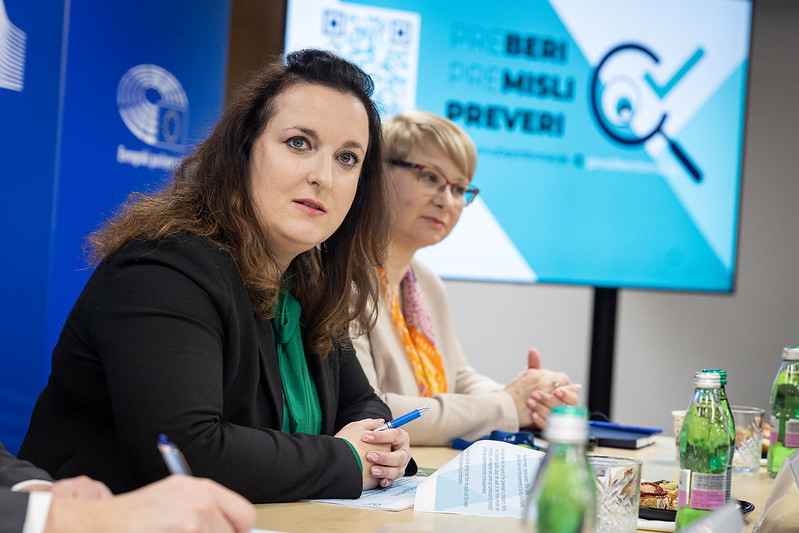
612, 435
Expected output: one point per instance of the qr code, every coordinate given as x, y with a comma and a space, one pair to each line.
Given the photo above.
383, 42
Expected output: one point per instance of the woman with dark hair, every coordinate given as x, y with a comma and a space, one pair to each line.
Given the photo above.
219, 311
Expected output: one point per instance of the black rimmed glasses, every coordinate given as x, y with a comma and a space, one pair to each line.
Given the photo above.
434, 182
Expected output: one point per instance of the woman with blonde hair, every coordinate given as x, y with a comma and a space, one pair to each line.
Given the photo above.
412, 357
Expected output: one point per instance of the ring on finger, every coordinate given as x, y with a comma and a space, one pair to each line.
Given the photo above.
408, 454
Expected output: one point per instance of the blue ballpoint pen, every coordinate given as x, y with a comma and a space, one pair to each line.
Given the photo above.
404, 419
174, 460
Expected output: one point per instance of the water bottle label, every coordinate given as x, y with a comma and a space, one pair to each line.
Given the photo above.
706, 491
792, 434
684, 483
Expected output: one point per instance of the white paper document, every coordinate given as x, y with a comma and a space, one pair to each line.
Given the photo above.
489, 478
397, 497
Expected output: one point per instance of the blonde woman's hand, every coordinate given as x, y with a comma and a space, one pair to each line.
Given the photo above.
535, 391
541, 403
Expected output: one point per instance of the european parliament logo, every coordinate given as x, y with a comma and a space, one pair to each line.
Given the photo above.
12, 53
154, 107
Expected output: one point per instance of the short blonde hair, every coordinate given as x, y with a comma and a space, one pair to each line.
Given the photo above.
414, 129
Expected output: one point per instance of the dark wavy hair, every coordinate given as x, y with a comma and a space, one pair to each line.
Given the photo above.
209, 196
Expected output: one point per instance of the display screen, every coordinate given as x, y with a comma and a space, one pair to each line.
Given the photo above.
609, 134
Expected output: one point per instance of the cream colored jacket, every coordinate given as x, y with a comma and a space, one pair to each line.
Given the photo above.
473, 405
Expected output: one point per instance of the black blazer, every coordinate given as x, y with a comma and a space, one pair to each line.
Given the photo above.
14, 505
163, 339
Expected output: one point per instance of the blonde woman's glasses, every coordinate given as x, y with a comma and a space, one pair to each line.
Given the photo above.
434, 182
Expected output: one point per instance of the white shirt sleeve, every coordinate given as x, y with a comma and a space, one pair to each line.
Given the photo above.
38, 509
28, 482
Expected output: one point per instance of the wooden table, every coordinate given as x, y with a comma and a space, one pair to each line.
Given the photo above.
659, 462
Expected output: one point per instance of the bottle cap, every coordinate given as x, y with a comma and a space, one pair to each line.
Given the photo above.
722, 373
790, 353
567, 423
707, 380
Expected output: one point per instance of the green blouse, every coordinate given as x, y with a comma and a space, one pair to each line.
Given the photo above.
301, 410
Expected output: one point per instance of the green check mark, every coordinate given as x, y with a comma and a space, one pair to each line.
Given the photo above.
664, 90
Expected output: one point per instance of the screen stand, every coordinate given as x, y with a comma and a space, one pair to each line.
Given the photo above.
603, 337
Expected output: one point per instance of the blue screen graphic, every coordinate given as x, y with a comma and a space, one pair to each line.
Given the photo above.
609, 134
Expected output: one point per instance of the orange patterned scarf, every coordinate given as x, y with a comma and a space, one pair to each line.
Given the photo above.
415, 329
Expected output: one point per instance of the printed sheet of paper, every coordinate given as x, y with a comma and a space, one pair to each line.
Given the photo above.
489, 478
397, 497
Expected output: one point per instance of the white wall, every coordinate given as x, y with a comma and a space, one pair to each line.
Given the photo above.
662, 338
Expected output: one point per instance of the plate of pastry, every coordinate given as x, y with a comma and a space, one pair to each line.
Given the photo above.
659, 501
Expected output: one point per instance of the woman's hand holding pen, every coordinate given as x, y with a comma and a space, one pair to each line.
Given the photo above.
389, 466
384, 454
354, 433
176, 503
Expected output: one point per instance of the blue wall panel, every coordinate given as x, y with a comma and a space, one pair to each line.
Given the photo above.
29, 116
135, 86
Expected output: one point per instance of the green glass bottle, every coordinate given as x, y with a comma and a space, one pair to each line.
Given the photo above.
704, 452
562, 498
784, 411
730, 425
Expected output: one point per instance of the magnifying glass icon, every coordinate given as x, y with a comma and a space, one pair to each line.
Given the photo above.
617, 102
